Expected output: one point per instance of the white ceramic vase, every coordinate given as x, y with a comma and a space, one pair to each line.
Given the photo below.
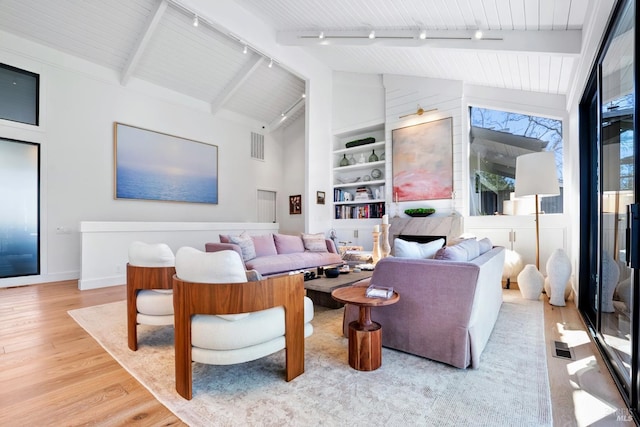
530, 282
559, 272
610, 277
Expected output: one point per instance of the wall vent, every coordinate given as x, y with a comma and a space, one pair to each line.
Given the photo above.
562, 350
257, 146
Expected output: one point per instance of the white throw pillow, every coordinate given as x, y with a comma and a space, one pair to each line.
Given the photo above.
415, 250
246, 245
314, 242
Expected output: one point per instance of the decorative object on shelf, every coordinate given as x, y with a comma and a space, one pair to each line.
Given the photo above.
422, 161
320, 196
366, 178
295, 204
385, 247
352, 160
375, 254
376, 173
344, 161
536, 175
530, 282
558, 275
373, 157
419, 212
382, 156
610, 277
359, 142
361, 159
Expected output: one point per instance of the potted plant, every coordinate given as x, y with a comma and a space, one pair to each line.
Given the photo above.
419, 212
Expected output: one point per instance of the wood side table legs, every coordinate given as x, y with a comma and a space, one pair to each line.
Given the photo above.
365, 342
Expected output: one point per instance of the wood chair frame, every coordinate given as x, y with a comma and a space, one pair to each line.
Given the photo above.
232, 298
139, 278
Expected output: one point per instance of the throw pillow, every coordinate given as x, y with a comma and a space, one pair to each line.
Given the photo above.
465, 250
264, 245
485, 245
286, 244
415, 250
246, 245
224, 238
314, 242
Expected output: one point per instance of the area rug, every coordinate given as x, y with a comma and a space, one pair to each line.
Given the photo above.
510, 388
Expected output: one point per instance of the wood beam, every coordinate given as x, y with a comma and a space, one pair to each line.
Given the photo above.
236, 83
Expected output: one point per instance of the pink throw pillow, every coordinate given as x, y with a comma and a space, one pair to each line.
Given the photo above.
287, 244
264, 245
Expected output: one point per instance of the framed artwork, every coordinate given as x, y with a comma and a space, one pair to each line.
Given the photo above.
156, 166
423, 161
320, 197
295, 205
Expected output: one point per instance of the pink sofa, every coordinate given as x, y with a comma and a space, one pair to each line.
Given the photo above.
447, 309
279, 253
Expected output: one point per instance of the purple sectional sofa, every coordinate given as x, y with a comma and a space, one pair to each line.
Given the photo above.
447, 309
279, 253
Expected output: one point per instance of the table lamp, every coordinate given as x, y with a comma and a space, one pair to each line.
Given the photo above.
536, 175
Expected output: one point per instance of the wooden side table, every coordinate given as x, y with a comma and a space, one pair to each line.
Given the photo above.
365, 335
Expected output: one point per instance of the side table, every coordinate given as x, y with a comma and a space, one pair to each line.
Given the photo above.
365, 335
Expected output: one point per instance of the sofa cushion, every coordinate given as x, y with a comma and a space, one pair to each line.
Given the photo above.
287, 244
465, 250
314, 242
485, 245
264, 245
288, 262
224, 238
415, 250
246, 245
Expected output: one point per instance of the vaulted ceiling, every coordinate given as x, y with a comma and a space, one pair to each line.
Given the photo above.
529, 45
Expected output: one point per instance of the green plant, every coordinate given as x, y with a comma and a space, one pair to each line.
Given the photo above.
419, 211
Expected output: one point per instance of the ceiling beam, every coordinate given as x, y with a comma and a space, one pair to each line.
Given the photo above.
236, 83
286, 115
136, 53
551, 42
479, 134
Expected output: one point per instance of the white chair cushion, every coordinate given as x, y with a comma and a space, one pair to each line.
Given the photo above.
150, 255
155, 302
213, 333
196, 266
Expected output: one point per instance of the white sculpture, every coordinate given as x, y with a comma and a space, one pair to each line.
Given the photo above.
530, 282
559, 273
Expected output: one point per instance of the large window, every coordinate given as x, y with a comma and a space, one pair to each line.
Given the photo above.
497, 138
19, 215
19, 94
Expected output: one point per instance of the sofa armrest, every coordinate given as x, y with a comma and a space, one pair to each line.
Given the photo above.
215, 247
331, 247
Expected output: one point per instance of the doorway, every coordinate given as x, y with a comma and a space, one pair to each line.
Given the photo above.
266, 206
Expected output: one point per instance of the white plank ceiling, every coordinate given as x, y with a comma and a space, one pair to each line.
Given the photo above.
537, 48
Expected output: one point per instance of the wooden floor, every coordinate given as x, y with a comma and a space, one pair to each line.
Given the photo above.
53, 373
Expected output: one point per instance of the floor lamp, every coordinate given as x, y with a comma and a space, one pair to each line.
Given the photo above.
536, 175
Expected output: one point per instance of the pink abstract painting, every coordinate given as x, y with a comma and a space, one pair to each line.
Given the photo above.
423, 161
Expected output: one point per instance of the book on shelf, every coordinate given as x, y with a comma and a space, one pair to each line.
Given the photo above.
360, 211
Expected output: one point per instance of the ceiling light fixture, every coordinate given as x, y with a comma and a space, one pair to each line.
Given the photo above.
372, 35
271, 63
478, 34
195, 21
245, 49
423, 34
321, 35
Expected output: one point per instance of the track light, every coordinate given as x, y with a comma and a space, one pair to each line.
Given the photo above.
321, 35
372, 35
195, 21
423, 34
478, 34
271, 63
245, 49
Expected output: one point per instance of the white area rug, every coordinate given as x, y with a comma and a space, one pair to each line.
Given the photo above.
511, 387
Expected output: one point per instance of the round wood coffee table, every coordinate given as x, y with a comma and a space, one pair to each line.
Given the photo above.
365, 335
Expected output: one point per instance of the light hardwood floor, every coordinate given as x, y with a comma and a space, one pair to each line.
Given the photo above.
54, 373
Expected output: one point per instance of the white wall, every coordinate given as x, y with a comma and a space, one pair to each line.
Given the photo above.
292, 172
79, 103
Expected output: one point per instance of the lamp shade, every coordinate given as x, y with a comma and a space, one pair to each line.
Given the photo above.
536, 175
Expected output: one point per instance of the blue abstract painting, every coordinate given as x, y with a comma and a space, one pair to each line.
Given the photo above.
156, 166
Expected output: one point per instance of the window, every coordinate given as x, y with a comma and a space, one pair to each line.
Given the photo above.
19, 216
497, 138
19, 94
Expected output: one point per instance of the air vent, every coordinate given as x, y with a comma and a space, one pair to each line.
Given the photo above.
562, 350
257, 146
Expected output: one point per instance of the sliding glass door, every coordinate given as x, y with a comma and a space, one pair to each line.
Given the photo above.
609, 191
